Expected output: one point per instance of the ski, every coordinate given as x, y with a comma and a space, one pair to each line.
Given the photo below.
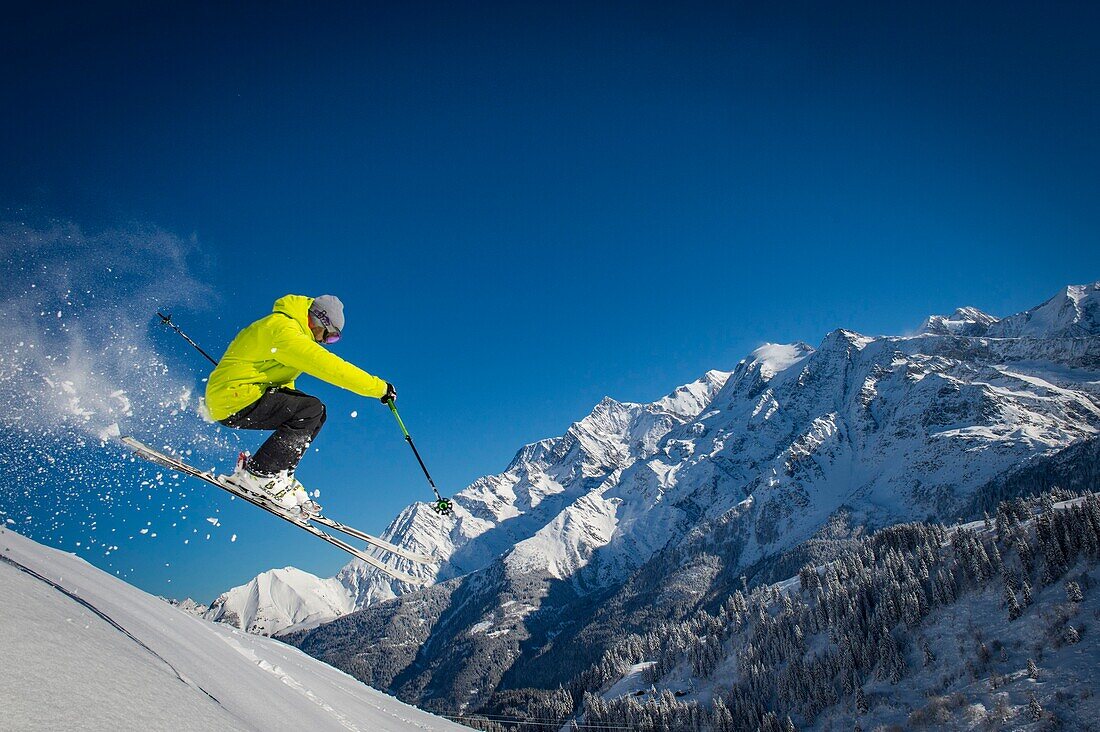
172, 463
320, 519
372, 540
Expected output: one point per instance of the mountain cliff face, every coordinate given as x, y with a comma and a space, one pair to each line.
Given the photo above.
641, 511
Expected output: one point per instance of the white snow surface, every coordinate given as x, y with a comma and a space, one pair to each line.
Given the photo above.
772, 358
84, 650
632, 683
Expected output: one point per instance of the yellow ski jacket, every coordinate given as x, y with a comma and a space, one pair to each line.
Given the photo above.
274, 351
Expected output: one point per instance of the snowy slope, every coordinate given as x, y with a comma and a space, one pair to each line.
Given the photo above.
84, 650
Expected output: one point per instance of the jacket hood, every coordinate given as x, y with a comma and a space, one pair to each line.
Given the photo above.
296, 307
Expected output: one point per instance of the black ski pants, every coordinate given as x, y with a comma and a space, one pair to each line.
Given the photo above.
296, 419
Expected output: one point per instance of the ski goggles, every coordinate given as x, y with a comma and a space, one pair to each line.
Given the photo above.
331, 334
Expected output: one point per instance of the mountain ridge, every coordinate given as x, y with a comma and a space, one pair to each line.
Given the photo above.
800, 450
593, 505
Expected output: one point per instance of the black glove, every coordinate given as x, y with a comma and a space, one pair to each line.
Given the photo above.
390, 395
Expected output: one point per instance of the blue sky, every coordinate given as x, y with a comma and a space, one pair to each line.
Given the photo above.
527, 207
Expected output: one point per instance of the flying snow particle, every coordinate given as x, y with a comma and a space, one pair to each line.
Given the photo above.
233, 538
354, 415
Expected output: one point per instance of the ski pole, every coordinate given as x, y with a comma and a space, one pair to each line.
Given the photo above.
442, 506
167, 320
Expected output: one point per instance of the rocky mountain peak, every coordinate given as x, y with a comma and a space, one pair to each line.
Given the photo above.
1073, 313
965, 321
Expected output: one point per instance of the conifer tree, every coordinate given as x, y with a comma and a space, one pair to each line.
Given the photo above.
861, 702
1013, 605
722, 719
1035, 710
929, 655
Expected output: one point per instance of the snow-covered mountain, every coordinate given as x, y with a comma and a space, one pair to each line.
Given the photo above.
798, 445
864, 431
189, 606
281, 599
966, 321
84, 650
492, 516
1072, 313
498, 513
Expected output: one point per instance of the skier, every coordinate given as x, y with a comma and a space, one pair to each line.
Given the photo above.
252, 388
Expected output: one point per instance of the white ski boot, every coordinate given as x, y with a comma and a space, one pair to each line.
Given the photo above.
306, 505
275, 489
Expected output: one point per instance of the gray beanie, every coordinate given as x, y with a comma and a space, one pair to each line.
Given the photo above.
329, 308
